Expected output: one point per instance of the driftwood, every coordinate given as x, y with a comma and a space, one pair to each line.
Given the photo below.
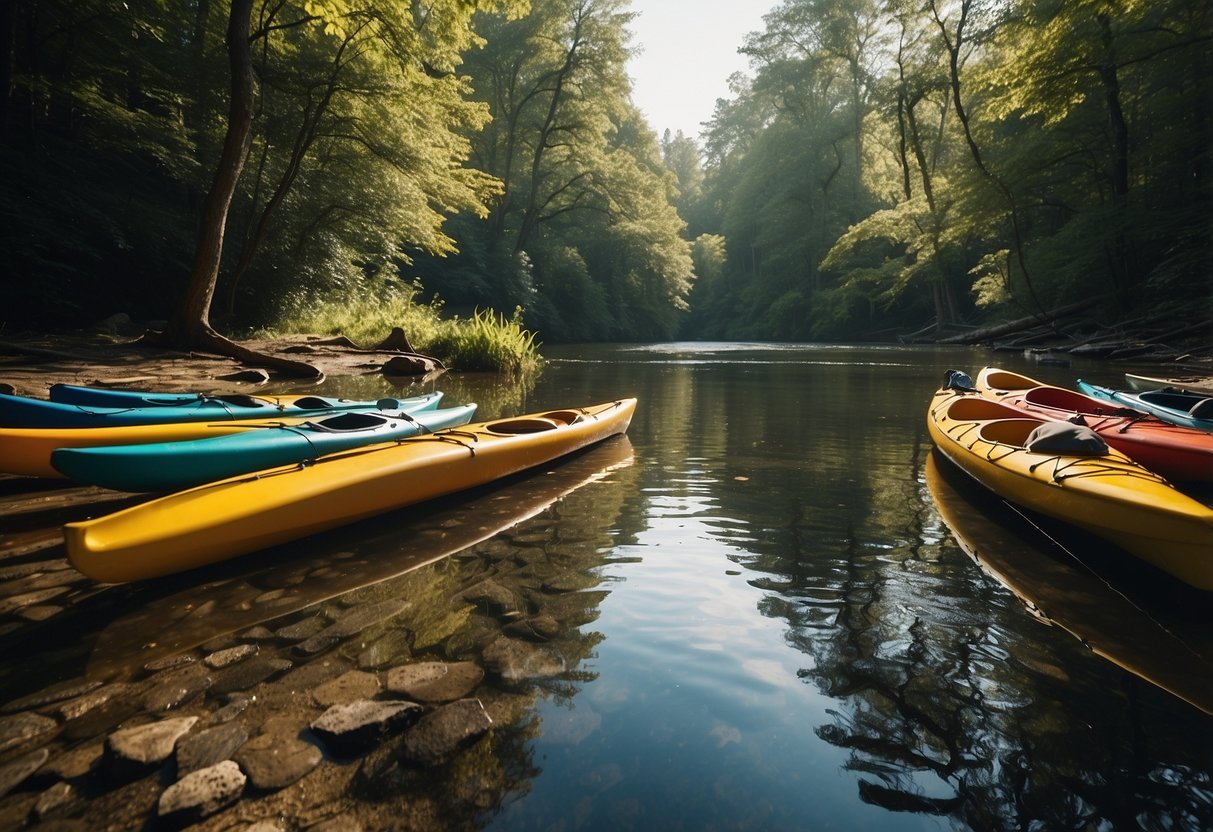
339, 341
929, 332
396, 340
1205, 326
1019, 325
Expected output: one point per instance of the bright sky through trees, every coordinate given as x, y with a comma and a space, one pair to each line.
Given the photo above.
688, 51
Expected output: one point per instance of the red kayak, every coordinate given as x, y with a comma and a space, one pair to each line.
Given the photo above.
1177, 453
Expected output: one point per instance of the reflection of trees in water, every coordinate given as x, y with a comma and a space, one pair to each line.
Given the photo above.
947, 709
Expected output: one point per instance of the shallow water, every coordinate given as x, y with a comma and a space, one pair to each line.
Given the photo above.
777, 610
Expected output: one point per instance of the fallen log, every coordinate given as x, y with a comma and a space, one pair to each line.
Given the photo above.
1200, 326
1006, 328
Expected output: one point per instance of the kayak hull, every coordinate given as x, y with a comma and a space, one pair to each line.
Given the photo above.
1177, 452
27, 452
25, 412
1108, 495
172, 466
117, 397
1203, 385
1168, 405
232, 517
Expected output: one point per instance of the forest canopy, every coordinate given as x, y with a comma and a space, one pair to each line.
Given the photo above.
886, 164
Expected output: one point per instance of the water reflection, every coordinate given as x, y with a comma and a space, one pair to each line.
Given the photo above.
494, 395
947, 698
1154, 628
752, 613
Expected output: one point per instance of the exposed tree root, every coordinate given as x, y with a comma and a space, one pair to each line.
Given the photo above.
206, 339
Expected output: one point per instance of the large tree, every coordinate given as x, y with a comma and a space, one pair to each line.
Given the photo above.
391, 40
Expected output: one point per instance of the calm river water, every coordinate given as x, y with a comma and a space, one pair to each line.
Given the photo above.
777, 611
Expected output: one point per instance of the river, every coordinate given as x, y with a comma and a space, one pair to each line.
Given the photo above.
769, 607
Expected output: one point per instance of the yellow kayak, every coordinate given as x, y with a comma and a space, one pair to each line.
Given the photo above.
232, 517
26, 452
1102, 491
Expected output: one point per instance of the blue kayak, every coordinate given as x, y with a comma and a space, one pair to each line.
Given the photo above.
1175, 406
24, 412
172, 466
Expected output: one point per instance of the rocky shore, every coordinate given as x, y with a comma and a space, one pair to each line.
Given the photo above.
383, 679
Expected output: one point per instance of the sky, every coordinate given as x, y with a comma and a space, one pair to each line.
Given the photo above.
689, 52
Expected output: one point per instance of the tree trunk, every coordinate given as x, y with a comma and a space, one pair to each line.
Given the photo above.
190, 327
530, 214
953, 48
1119, 129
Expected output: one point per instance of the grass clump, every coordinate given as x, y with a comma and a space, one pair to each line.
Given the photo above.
486, 341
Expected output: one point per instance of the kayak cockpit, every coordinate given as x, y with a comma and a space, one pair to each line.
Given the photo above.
536, 424
349, 422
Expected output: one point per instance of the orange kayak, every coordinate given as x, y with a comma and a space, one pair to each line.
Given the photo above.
1178, 453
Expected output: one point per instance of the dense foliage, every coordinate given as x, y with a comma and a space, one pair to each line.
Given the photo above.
888, 163
893, 162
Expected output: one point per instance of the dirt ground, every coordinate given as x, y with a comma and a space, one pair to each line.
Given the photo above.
29, 365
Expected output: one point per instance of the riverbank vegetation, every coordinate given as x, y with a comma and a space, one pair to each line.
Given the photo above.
484, 341
887, 165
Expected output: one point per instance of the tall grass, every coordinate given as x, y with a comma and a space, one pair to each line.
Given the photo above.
486, 341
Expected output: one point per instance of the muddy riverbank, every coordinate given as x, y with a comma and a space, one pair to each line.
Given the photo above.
30, 364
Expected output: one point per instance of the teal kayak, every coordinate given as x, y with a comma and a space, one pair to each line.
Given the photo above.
24, 412
172, 466
112, 397
1175, 406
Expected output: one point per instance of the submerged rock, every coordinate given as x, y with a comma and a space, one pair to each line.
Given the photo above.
209, 747
173, 688
440, 735
149, 744
24, 729
435, 681
16, 772
391, 647
55, 693
202, 793
518, 661
358, 726
277, 757
58, 799
230, 655
348, 687
537, 628
246, 674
